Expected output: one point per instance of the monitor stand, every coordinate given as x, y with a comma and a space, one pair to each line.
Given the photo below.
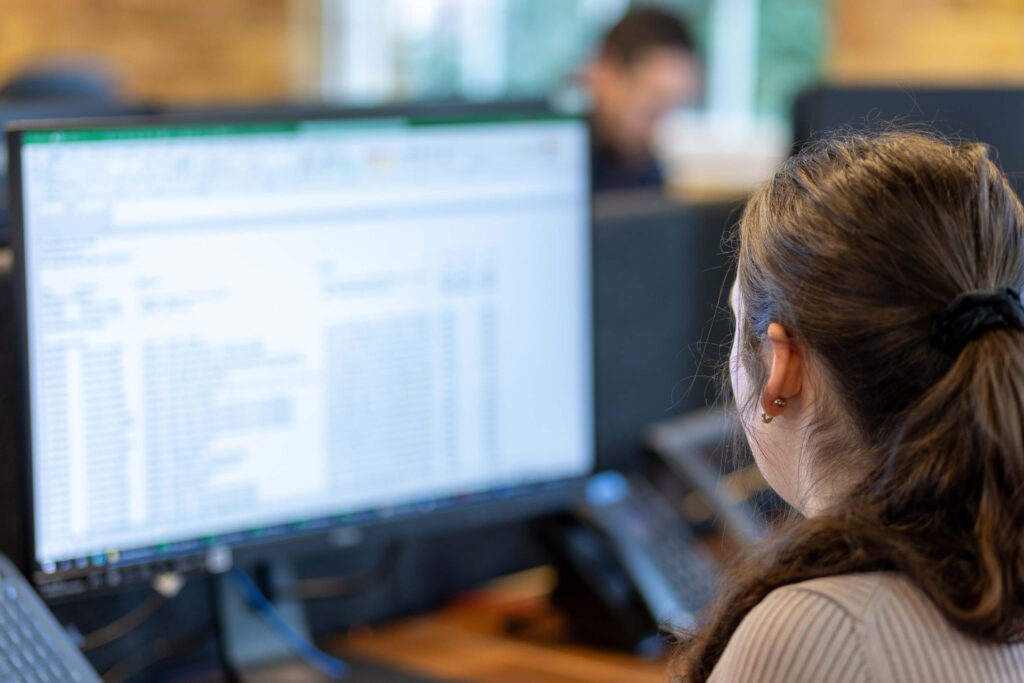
256, 654
246, 639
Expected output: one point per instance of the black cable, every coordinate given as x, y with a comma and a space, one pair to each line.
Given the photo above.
213, 593
341, 586
160, 650
124, 624
303, 589
164, 587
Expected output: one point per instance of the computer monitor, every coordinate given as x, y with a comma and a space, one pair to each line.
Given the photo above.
990, 115
241, 336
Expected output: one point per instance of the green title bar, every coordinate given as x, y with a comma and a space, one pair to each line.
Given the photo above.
153, 133
308, 126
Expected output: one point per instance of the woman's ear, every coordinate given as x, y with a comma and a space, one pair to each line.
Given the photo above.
785, 380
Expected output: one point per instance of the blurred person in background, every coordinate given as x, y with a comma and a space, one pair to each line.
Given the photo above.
645, 66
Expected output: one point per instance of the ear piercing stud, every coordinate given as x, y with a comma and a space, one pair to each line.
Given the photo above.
765, 417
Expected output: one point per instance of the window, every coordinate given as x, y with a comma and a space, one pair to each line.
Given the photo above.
758, 54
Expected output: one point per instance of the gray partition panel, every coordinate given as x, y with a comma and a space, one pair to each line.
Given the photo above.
661, 273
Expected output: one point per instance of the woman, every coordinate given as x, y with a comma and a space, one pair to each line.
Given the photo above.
878, 369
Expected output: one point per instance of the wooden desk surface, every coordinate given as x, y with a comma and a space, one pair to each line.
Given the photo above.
471, 641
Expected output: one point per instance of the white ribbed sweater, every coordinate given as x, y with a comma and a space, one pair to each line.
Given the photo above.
859, 628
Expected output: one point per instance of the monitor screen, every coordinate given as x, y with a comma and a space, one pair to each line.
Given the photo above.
242, 332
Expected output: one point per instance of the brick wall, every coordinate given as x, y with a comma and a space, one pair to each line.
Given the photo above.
928, 41
174, 50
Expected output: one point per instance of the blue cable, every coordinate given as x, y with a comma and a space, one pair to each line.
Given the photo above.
293, 639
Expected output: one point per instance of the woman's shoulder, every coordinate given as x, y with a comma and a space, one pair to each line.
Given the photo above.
874, 626
856, 595
807, 631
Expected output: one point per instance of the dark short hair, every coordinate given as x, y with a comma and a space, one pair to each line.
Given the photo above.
643, 29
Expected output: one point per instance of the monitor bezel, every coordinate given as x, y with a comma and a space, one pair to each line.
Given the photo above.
539, 499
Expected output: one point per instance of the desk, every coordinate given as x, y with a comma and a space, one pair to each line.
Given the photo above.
470, 641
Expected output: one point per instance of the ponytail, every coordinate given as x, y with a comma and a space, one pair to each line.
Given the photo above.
872, 250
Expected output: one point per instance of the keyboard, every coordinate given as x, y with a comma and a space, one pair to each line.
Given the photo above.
673, 573
689, 571
33, 646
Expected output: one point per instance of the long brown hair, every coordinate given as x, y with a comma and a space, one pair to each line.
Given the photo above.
854, 246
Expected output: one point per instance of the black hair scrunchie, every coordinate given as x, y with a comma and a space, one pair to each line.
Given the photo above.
972, 315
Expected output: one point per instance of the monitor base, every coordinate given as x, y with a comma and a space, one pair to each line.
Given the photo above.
256, 654
247, 640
